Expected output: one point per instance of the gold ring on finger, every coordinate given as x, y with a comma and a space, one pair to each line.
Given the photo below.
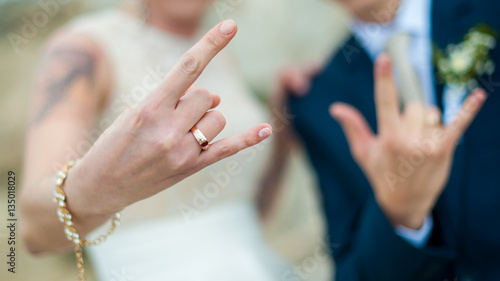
200, 137
432, 119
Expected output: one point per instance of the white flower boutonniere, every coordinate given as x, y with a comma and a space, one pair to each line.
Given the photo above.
461, 64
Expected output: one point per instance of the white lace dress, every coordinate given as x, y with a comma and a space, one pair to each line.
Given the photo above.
206, 227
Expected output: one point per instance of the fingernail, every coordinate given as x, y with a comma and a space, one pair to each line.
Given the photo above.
227, 27
264, 133
479, 95
383, 64
334, 110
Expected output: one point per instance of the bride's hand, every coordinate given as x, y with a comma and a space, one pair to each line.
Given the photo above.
294, 80
150, 147
409, 161
291, 80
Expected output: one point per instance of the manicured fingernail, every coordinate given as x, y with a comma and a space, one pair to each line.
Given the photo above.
264, 133
227, 27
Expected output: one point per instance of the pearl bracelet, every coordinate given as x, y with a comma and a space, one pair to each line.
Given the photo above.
67, 219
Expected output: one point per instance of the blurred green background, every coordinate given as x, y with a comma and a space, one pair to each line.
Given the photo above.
272, 33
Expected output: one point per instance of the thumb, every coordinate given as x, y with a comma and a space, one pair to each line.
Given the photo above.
358, 133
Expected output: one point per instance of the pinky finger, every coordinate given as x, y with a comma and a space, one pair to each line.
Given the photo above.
466, 115
232, 145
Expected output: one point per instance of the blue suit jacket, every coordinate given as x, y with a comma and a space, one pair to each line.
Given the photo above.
465, 242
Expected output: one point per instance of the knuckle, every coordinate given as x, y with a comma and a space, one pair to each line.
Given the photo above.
225, 152
190, 65
410, 145
249, 142
166, 144
434, 110
171, 147
142, 115
204, 95
179, 163
213, 42
390, 143
170, 142
219, 118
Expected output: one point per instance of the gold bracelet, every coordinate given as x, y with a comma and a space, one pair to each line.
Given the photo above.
69, 227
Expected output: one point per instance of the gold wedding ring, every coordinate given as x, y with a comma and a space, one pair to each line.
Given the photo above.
200, 137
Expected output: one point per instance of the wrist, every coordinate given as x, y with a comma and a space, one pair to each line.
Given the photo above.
80, 203
68, 219
412, 218
413, 221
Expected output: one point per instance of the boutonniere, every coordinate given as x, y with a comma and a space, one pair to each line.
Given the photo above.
461, 64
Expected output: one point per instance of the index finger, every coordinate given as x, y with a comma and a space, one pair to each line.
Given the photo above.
386, 95
193, 62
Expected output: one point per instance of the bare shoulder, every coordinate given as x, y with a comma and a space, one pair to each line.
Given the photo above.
73, 67
64, 39
74, 48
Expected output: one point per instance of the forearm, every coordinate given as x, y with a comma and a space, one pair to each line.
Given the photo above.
41, 229
69, 91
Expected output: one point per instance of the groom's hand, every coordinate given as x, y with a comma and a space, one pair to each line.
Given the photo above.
409, 161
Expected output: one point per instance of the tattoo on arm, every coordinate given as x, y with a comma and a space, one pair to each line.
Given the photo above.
60, 70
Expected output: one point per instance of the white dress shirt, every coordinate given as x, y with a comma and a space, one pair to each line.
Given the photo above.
413, 17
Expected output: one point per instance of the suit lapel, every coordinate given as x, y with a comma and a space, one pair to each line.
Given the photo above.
357, 71
450, 22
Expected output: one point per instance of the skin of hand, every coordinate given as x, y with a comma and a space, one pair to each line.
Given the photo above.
295, 80
409, 161
146, 150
